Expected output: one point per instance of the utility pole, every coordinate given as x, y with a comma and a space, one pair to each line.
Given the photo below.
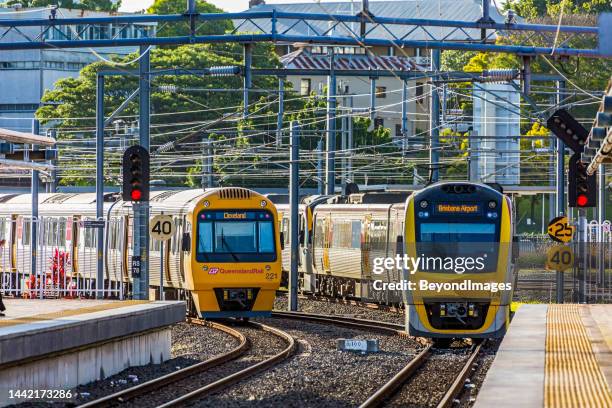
248, 62
294, 196
34, 218
100, 184
349, 170
601, 217
404, 116
320, 185
330, 153
207, 165
372, 101
434, 122
141, 210
560, 193
281, 111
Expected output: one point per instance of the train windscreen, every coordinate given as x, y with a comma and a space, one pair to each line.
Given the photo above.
457, 232
235, 236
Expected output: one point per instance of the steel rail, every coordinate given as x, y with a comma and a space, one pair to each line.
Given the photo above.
156, 383
242, 374
393, 385
459, 382
350, 322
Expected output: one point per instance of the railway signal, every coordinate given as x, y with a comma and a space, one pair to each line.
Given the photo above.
566, 128
135, 174
582, 190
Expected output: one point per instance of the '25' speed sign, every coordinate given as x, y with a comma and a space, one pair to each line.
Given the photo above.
161, 227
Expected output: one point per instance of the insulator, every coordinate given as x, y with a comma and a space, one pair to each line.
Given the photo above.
168, 88
224, 71
166, 147
603, 119
498, 75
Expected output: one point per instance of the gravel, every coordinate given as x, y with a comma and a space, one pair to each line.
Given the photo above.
429, 384
263, 346
320, 375
339, 309
482, 365
191, 344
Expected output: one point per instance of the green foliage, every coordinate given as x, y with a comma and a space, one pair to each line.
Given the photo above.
96, 5
180, 7
190, 104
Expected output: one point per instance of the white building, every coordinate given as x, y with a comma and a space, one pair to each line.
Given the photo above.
388, 89
26, 74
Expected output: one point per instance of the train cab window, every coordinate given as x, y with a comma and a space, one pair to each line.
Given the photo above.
235, 236
26, 232
457, 240
457, 232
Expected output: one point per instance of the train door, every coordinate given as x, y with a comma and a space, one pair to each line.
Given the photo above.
327, 240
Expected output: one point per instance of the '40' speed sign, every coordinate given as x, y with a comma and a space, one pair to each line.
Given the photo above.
161, 227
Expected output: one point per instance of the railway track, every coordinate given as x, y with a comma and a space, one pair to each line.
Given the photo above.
395, 384
391, 387
142, 390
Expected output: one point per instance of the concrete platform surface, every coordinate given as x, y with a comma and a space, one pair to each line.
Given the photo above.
553, 356
34, 328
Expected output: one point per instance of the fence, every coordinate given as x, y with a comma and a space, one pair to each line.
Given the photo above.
590, 278
65, 258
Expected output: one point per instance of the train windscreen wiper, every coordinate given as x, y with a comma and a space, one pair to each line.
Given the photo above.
224, 243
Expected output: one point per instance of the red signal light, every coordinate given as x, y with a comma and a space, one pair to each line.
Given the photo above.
136, 195
582, 200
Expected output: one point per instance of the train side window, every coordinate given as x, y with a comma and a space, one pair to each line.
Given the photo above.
318, 232
25, 240
356, 234
2, 228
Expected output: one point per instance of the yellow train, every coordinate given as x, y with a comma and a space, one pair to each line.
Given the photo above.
224, 257
462, 235
345, 239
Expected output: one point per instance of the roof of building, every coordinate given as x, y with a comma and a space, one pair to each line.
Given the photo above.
302, 59
464, 10
46, 12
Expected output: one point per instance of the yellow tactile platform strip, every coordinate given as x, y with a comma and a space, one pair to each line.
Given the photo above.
572, 376
70, 312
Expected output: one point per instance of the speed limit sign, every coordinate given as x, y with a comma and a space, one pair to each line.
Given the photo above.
161, 227
559, 258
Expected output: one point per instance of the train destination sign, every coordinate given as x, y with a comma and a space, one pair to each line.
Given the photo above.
458, 208
560, 230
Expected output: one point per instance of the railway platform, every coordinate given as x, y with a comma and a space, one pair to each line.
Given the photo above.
61, 343
553, 356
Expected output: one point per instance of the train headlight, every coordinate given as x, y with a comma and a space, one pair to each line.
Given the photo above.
205, 268
424, 204
442, 310
263, 203
268, 267
492, 204
206, 203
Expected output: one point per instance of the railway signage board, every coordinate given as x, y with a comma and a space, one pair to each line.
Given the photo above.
362, 346
93, 223
560, 230
136, 266
559, 258
161, 227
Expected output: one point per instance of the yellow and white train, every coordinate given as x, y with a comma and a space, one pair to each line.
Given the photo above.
347, 237
224, 257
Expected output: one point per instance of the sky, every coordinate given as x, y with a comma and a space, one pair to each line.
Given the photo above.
227, 5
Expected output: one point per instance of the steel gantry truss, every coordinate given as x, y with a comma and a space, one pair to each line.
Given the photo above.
362, 29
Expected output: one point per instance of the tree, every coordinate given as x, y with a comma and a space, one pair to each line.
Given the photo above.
96, 5
180, 7
180, 105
